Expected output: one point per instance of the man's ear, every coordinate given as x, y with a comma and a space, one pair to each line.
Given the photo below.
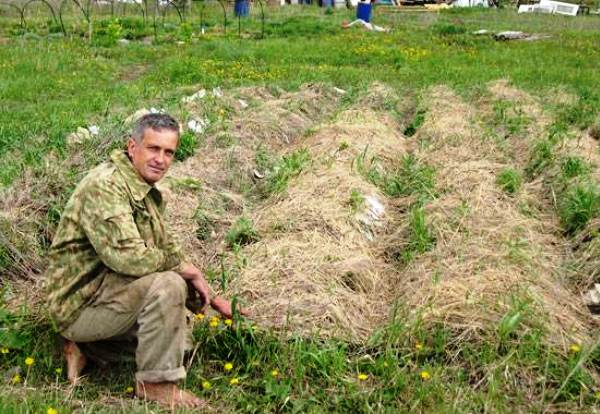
131, 147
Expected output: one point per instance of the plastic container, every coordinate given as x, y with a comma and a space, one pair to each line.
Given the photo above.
363, 11
241, 8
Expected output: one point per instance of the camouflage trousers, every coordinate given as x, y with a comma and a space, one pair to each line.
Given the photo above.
150, 309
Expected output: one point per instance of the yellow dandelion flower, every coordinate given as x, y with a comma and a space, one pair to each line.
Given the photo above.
58, 371
228, 366
4, 350
15, 379
425, 375
234, 381
29, 361
575, 348
206, 385
363, 377
51, 410
213, 324
199, 316
385, 364
228, 322
129, 389
418, 346
274, 373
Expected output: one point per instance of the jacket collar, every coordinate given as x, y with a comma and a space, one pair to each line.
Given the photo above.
138, 188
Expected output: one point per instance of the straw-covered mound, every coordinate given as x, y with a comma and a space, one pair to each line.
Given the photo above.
555, 186
316, 268
326, 258
223, 168
490, 261
326, 255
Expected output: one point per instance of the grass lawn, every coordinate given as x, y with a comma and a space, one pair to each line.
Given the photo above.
50, 85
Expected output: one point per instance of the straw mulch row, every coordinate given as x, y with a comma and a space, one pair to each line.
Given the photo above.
324, 262
322, 267
490, 260
272, 122
316, 267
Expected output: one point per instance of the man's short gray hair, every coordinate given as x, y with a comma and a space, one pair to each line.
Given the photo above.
157, 122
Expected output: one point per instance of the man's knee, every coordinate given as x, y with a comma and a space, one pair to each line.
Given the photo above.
171, 286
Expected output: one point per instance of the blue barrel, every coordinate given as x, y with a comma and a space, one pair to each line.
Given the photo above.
241, 8
327, 3
363, 11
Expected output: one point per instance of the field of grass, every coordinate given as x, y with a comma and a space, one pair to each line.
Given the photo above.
51, 84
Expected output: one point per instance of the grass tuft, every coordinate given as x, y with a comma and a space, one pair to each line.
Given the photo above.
578, 205
415, 124
288, 167
409, 178
356, 200
187, 146
420, 238
574, 166
241, 233
509, 180
541, 157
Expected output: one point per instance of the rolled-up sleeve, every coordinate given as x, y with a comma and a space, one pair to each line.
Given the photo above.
107, 220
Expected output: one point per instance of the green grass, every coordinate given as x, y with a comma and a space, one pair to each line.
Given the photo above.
574, 166
420, 239
407, 178
317, 376
509, 180
578, 205
50, 85
241, 233
357, 200
541, 157
186, 146
511, 119
288, 167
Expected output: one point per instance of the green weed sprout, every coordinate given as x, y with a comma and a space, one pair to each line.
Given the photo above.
241, 233
579, 205
509, 180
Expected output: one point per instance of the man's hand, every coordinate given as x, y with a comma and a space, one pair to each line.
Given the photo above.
190, 272
223, 306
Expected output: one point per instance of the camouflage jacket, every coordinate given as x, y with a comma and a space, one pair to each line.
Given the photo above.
112, 222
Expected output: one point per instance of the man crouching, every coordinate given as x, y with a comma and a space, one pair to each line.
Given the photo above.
115, 271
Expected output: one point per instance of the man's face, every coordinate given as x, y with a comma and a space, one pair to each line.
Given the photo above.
153, 156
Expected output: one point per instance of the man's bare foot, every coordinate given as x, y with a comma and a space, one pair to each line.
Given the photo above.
168, 395
75, 361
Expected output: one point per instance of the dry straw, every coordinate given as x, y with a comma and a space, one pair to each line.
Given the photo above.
322, 263
488, 256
